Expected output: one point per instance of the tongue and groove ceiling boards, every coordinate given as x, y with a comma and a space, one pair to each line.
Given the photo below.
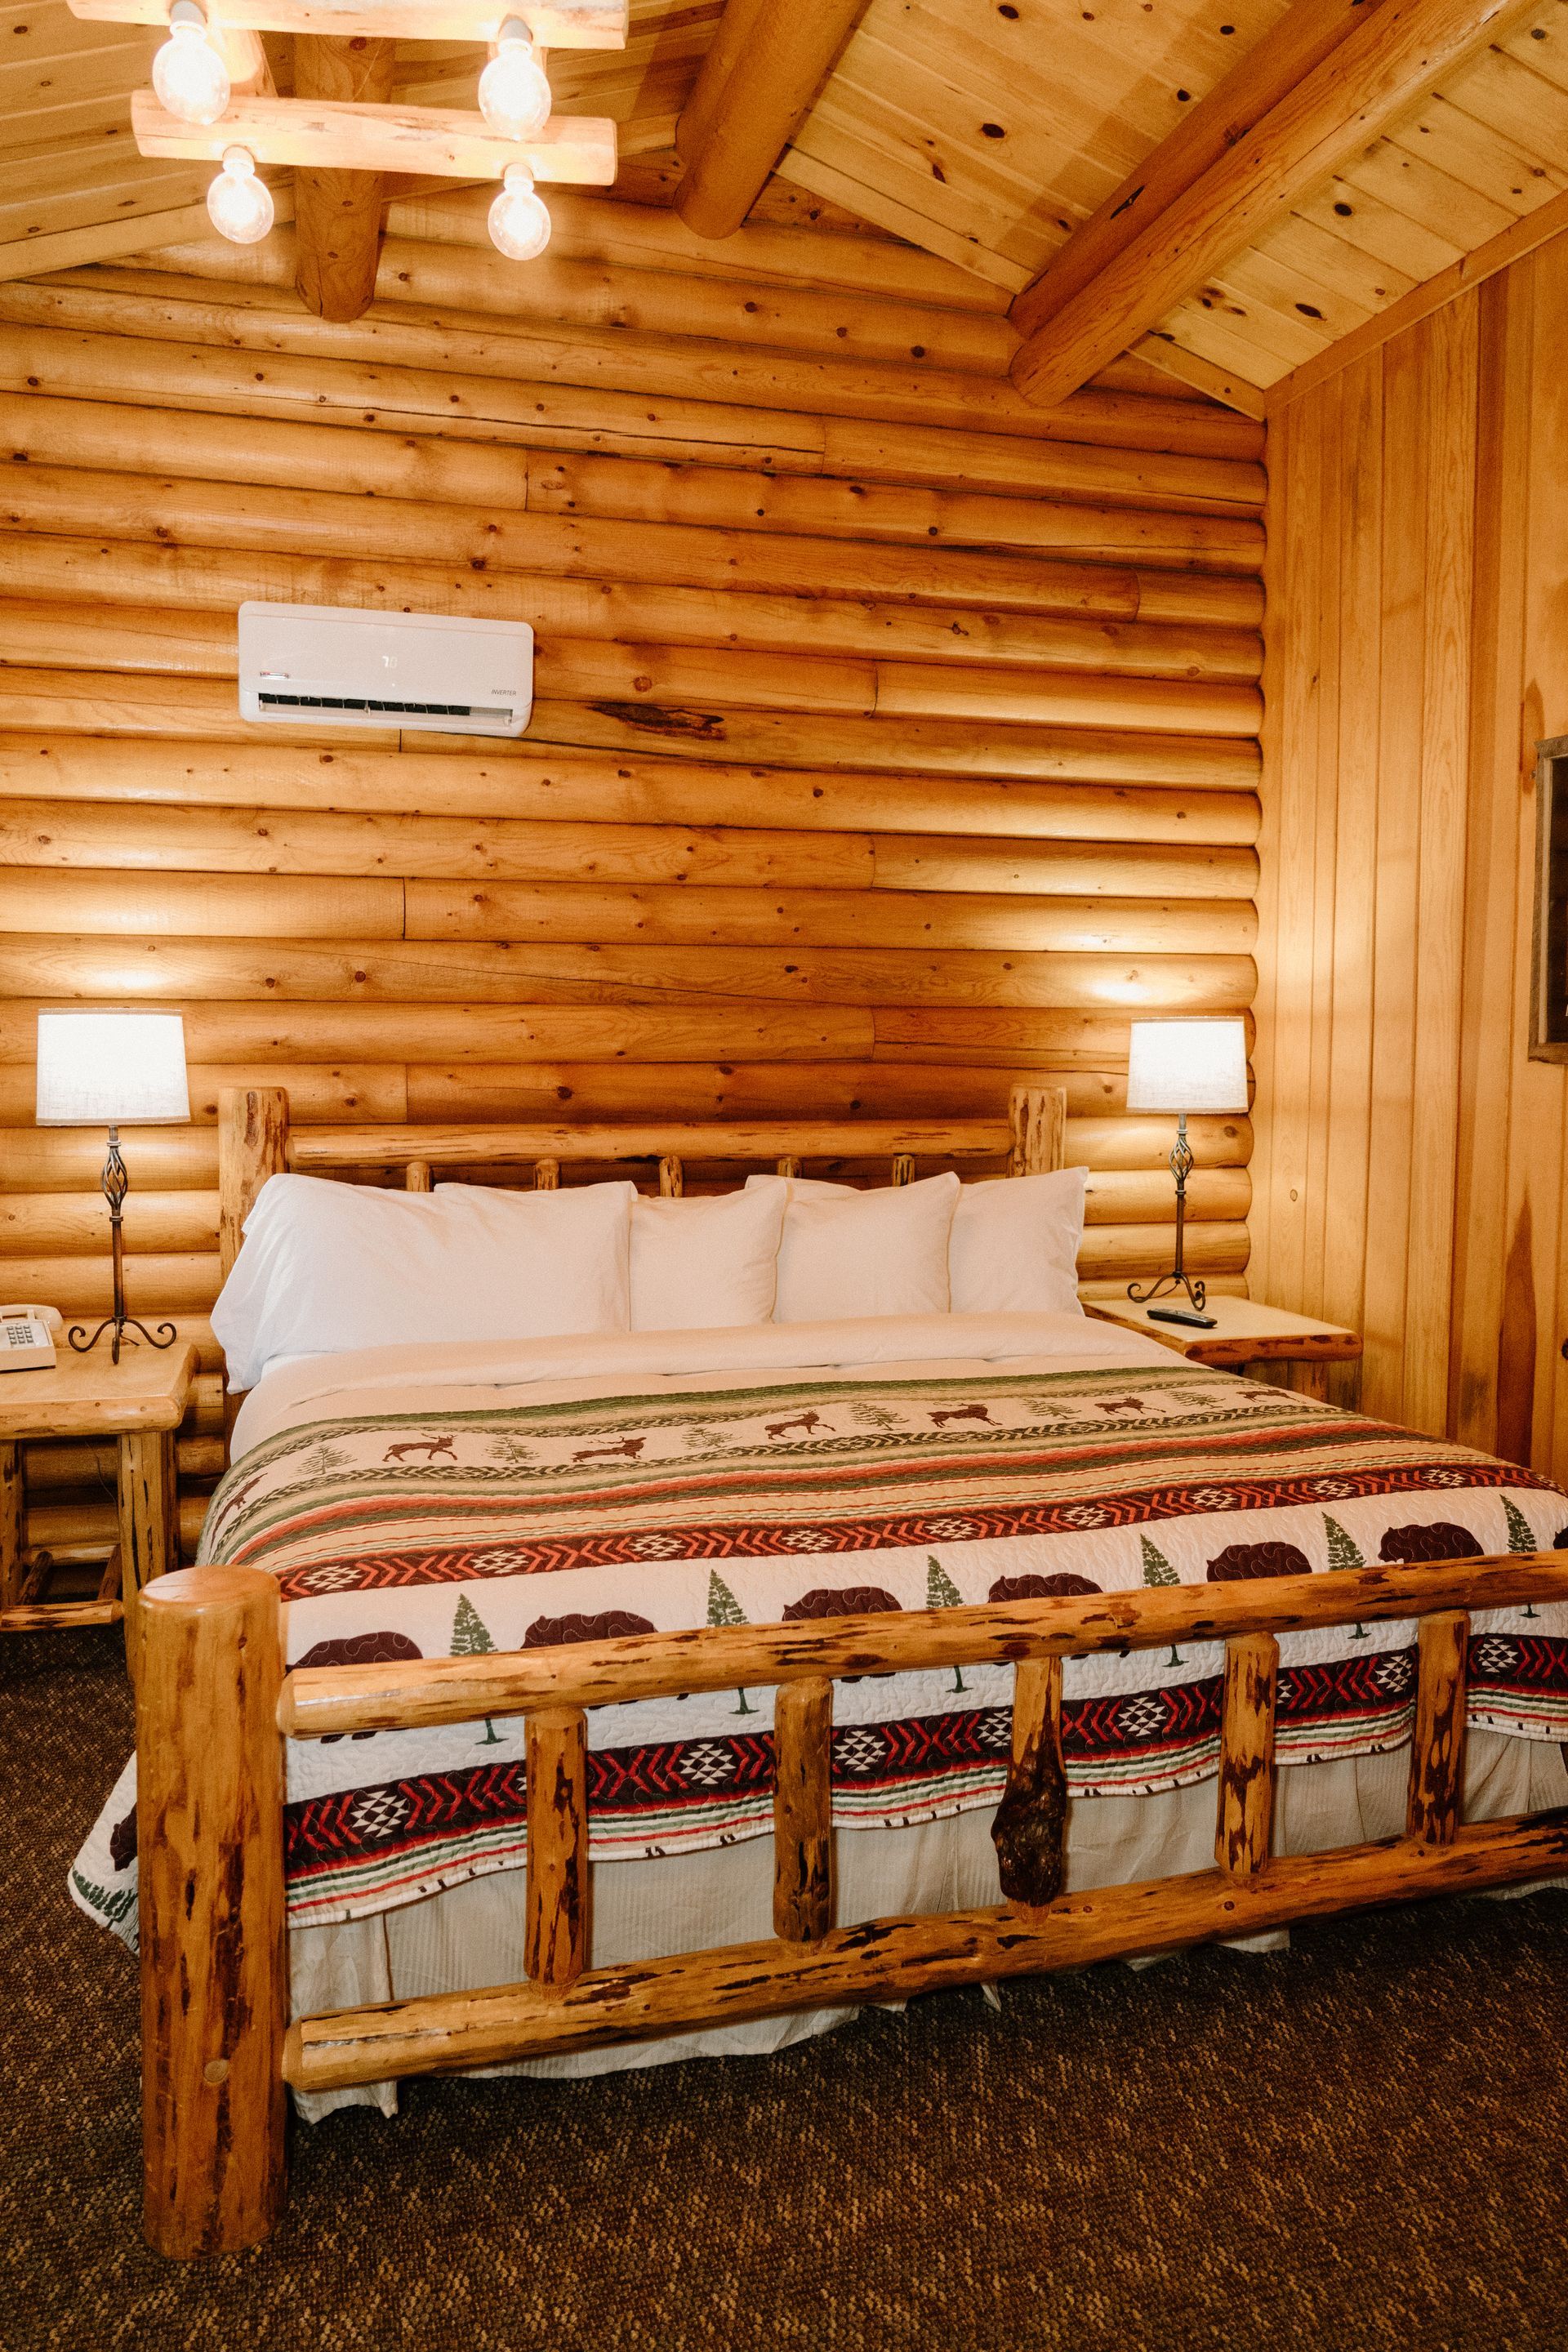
985, 132
990, 133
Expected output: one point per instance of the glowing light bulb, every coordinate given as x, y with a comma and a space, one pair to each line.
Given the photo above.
188, 74
239, 205
520, 225
514, 89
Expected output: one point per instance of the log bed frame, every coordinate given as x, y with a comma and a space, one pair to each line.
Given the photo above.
215, 1704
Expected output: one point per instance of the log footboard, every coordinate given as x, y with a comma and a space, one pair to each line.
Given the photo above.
214, 1702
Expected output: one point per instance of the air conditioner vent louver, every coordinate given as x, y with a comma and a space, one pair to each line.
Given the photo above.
360, 702
413, 670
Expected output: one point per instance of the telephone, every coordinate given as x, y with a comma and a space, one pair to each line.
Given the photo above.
27, 1338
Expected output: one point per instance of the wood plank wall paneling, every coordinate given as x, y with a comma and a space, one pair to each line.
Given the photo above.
891, 740
1410, 1155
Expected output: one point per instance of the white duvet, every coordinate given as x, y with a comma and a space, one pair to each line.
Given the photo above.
303, 1388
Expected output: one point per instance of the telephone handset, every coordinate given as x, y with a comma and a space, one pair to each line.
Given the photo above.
27, 1338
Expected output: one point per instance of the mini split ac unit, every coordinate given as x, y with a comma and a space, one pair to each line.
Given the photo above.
323, 666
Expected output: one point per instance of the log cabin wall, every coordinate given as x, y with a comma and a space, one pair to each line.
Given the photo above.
1410, 1158
893, 738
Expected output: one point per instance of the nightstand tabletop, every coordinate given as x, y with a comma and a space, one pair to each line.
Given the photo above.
1246, 1331
86, 1396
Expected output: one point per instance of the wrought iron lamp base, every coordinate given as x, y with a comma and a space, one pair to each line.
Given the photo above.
116, 1183
1180, 1280
120, 1325
1178, 1277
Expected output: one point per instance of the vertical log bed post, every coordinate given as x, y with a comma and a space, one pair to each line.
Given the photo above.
1244, 1830
1037, 1115
253, 1144
802, 1811
555, 1921
1437, 1739
214, 1970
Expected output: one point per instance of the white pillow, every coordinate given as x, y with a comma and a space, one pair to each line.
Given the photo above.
1013, 1245
846, 1253
328, 1267
705, 1265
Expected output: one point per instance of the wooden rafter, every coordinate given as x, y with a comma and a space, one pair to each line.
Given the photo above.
767, 63
1386, 64
1302, 39
249, 75
337, 213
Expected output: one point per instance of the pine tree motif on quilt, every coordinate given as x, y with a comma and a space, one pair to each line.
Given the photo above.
471, 1639
1520, 1538
1344, 1552
723, 1608
1157, 1569
942, 1593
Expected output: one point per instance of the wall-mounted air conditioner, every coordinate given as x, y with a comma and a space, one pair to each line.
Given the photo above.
321, 665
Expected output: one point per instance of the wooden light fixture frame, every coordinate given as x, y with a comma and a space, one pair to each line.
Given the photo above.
339, 130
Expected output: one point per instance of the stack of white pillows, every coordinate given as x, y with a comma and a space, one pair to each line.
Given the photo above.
327, 1267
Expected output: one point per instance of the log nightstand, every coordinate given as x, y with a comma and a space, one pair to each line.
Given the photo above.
1266, 1343
142, 1400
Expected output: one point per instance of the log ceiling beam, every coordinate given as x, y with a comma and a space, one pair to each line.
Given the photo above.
1270, 71
768, 60
243, 54
337, 215
1384, 64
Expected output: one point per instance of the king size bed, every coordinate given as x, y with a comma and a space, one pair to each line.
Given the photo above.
657, 1687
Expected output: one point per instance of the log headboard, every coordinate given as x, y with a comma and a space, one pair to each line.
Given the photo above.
254, 1142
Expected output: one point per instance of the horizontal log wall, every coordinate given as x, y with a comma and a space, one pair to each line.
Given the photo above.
893, 738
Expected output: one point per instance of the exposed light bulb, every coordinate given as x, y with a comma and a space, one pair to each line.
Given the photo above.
188, 74
239, 205
520, 225
514, 89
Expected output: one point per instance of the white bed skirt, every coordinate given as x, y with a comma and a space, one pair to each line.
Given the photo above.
471, 1936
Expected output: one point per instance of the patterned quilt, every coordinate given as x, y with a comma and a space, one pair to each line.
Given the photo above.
533, 1516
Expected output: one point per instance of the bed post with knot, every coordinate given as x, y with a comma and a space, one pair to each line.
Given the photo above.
252, 1145
1029, 1832
215, 1968
1039, 1116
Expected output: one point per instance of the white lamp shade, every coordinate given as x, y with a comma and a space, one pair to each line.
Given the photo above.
1187, 1065
100, 1069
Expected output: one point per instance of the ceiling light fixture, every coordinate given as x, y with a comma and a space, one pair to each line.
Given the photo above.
239, 205
519, 224
514, 89
188, 74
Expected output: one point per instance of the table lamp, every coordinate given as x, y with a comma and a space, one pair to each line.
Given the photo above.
94, 1070
1181, 1067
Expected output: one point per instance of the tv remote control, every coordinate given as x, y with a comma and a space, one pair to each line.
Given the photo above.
1182, 1315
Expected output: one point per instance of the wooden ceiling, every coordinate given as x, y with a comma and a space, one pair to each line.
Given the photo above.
982, 130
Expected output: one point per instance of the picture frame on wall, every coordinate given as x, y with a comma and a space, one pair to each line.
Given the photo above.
1549, 958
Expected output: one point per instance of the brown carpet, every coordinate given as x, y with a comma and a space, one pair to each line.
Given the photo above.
1359, 2143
